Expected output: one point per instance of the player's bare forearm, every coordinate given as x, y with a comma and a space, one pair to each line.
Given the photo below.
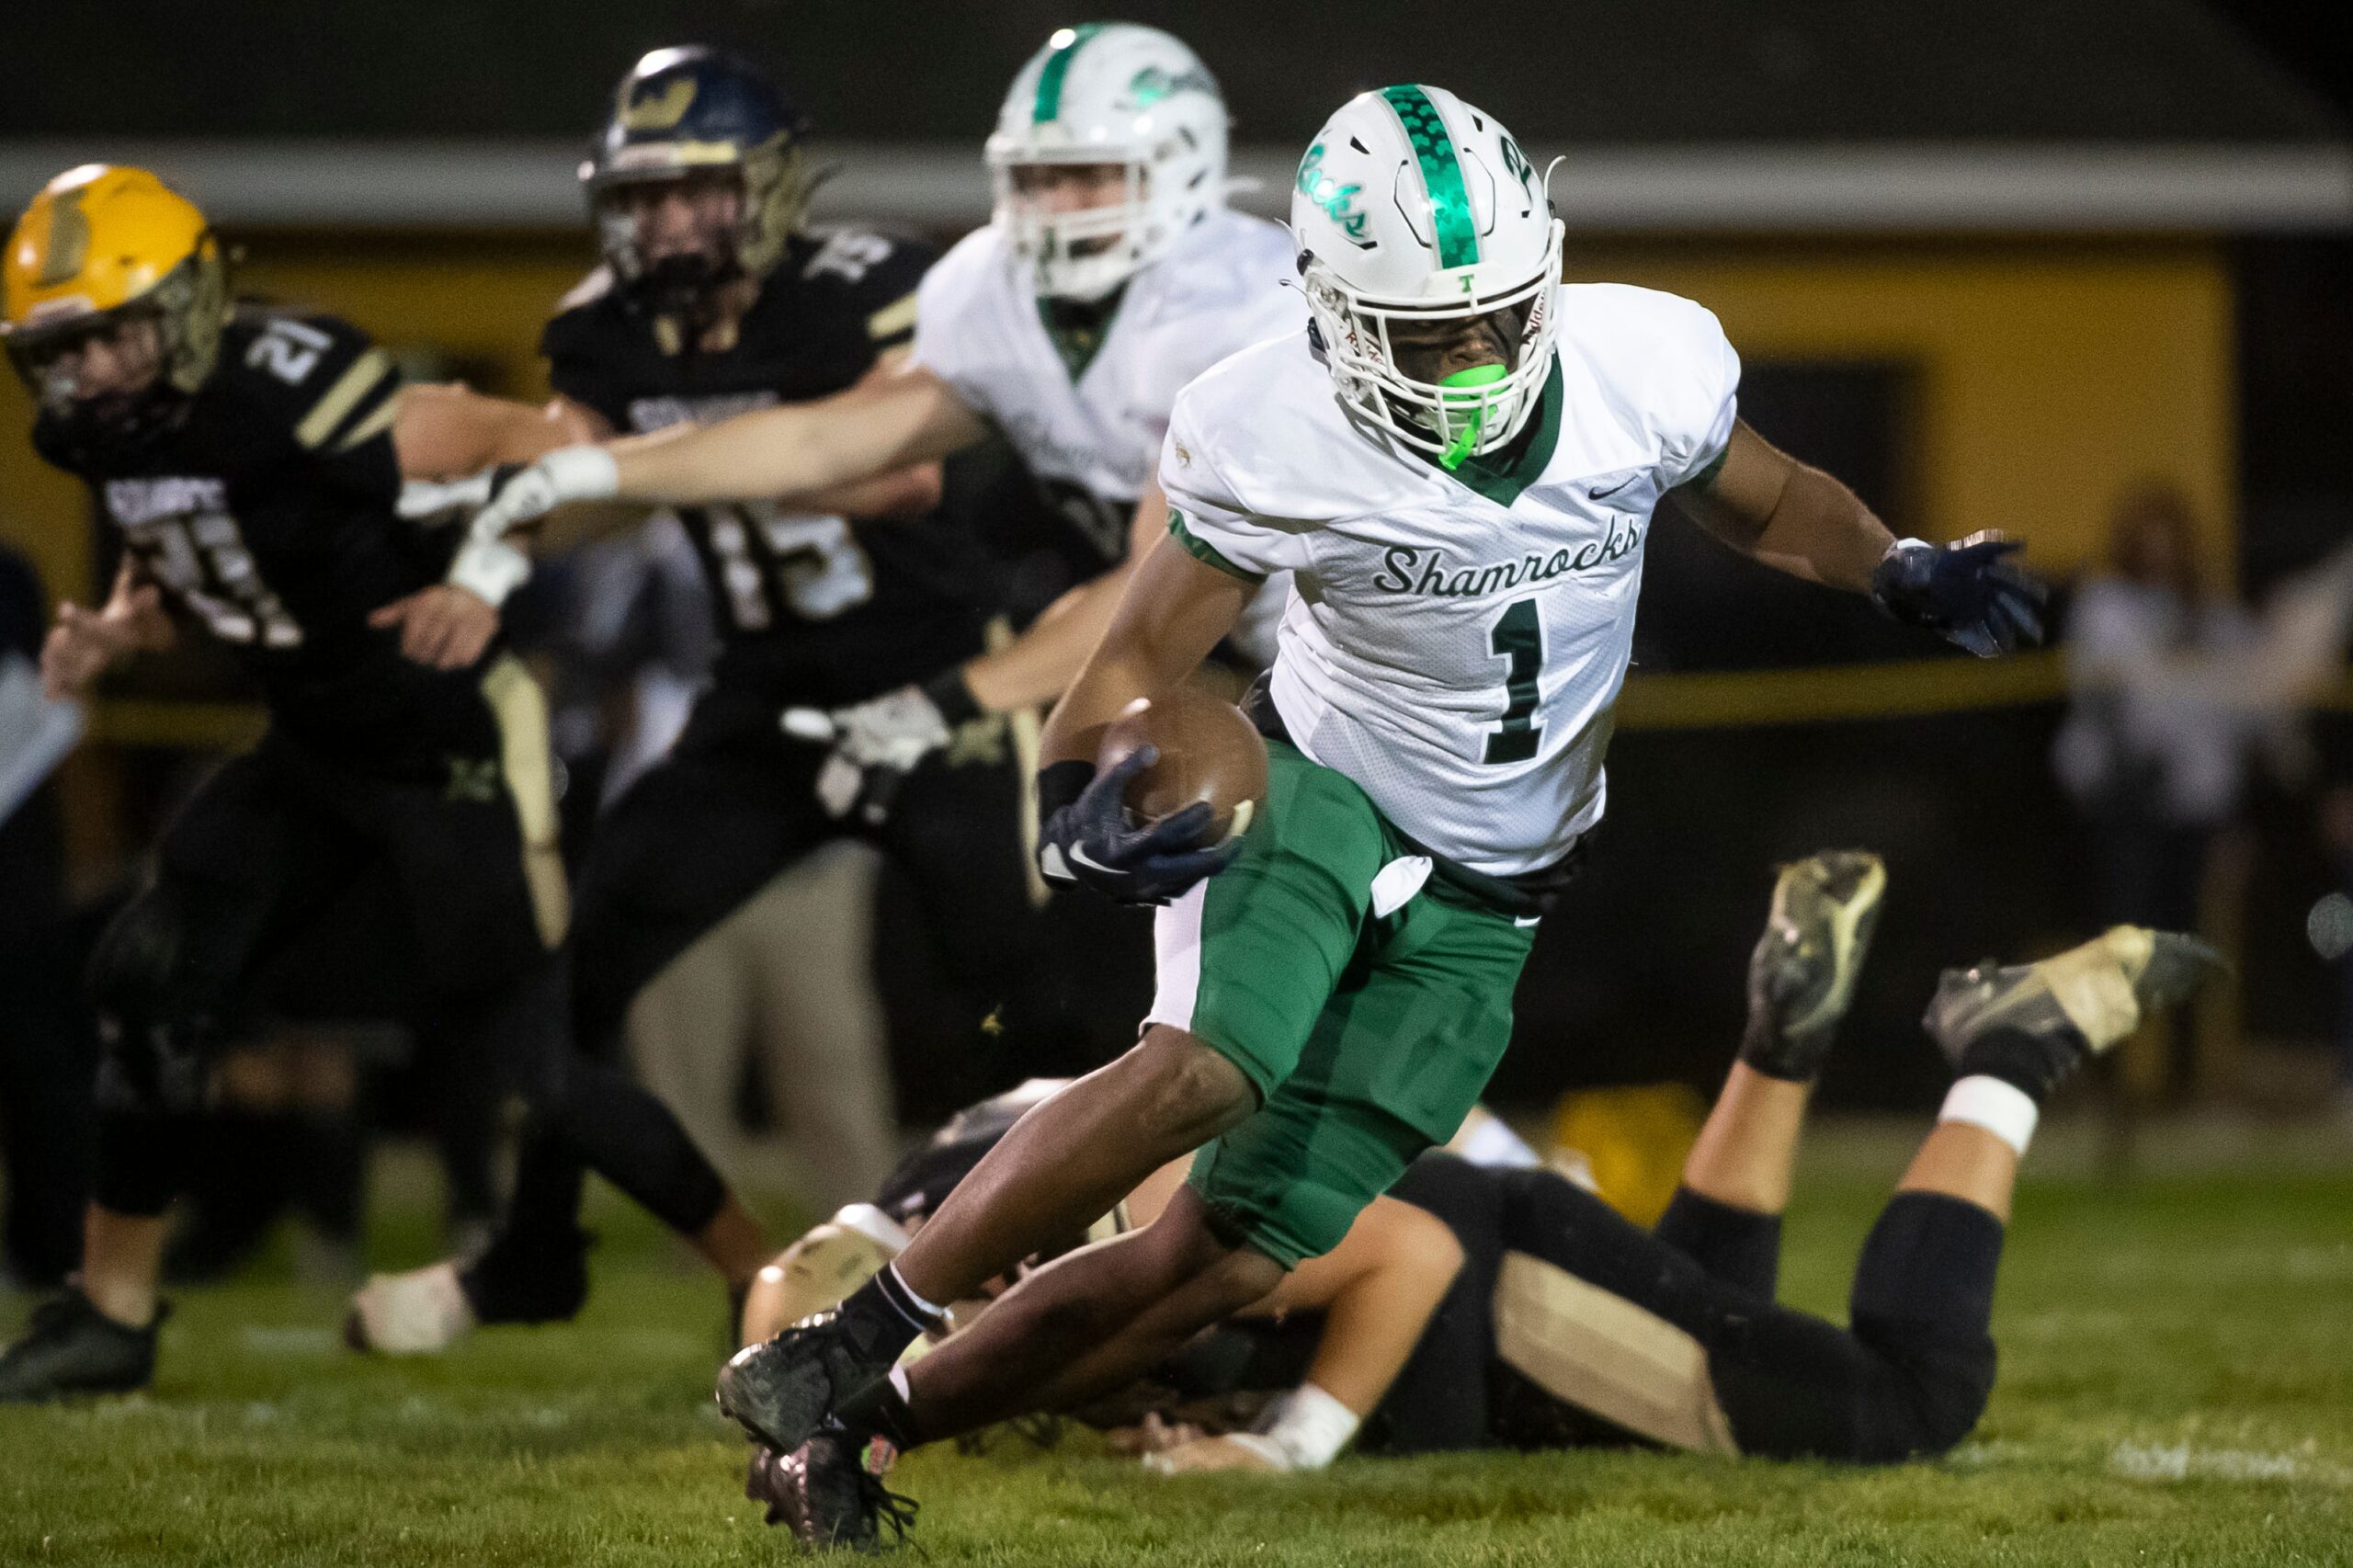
1172, 614
909, 491
1796, 519
446, 430
1379, 1290
1040, 664
795, 451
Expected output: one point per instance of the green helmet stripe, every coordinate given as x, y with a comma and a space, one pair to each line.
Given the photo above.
1049, 80
1458, 238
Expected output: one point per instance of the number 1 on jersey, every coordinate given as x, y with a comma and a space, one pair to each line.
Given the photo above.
1518, 637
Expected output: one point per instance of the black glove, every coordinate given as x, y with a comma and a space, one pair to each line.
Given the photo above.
1967, 592
1087, 837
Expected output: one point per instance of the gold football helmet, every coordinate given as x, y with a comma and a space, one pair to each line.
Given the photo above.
100, 246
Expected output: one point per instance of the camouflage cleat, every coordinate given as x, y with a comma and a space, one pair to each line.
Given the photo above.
829, 1493
1802, 976
782, 1392
2077, 1005
72, 1347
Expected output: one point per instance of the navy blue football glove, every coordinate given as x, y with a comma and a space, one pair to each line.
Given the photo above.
1090, 839
1968, 593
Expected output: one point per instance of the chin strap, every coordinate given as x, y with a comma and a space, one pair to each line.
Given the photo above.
1459, 452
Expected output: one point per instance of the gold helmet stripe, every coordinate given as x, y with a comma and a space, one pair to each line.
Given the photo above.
68, 245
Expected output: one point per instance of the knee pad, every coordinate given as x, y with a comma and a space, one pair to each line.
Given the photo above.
1936, 1388
136, 971
152, 1023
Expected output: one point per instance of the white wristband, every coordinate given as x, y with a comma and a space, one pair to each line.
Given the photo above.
582, 474
2002, 1110
1306, 1429
490, 569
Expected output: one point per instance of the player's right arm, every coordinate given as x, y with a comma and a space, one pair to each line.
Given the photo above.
85, 643
1174, 610
1378, 1291
790, 453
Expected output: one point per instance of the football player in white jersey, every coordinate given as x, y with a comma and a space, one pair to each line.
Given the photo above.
1460, 460
1111, 274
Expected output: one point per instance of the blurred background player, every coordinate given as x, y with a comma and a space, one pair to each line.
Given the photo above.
252, 460
714, 298
1111, 274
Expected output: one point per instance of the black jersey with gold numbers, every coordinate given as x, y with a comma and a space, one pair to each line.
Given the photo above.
810, 608
267, 515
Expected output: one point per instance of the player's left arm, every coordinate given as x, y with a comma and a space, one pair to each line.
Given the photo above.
1790, 516
1378, 1291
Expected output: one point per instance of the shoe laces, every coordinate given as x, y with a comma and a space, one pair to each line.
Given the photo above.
895, 1509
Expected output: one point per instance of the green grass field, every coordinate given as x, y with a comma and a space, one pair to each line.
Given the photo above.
2177, 1386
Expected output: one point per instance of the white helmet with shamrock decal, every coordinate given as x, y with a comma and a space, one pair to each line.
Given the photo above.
1412, 204
1109, 93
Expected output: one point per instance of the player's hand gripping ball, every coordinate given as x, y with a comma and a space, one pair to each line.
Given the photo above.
1176, 784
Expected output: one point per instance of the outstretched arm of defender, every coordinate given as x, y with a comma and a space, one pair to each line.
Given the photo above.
910, 415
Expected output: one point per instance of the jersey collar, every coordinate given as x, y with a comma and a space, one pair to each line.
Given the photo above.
1077, 330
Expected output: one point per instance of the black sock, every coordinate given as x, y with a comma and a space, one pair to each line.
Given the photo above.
1739, 1247
882, 1317
2030, 1064
880, 1410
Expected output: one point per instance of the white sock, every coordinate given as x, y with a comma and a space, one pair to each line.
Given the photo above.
2001, 1108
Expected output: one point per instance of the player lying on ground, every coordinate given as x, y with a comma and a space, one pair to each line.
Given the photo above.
253, 460
1459, 464
713, 297
1111, 274
1539, 1317
1566, 1324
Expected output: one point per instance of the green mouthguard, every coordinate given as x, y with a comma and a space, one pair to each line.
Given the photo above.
1476, 376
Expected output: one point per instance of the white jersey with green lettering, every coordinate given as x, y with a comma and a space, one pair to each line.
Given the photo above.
1458, 640
1092, 440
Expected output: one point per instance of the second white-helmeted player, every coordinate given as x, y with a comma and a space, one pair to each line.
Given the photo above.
1111, 273
1459, 459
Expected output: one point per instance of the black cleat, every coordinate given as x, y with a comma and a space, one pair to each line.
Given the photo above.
1802, 976
830, 1495
784, 1391
2049, 1016
71, 1348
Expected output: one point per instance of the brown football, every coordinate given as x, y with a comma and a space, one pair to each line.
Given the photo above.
1208, 752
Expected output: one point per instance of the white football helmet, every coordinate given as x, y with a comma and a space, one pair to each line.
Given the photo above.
1109, 93
1411, 204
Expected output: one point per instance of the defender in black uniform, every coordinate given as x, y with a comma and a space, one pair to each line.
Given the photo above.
252, 461
1536, 1316
713, 300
